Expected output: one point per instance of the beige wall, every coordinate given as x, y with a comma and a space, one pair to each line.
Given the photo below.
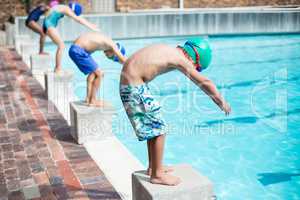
236, 3
123, 5
8, 8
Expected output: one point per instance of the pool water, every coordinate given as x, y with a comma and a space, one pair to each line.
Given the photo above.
254, 153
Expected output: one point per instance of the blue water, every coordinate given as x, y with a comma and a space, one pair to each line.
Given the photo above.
252, 154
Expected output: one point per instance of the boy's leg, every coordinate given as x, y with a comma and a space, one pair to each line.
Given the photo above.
166, 169
89, 83
95, 86
149, 158
158, 175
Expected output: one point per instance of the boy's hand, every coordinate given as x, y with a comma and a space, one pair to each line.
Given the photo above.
95, 28
226, 108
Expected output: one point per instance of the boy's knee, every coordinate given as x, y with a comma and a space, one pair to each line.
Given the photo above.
90, 79
99, 73
61, 46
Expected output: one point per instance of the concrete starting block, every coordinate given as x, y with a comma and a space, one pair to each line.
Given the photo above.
194, 186
2, 38
91, 123
10, 33
60, 91
28, 49
21, 39
39, 65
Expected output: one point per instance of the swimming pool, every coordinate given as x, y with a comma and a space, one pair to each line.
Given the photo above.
251, 154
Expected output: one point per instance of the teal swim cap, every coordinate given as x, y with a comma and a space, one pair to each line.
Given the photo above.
199, 51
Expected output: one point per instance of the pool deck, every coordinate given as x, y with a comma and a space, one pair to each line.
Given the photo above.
38, 156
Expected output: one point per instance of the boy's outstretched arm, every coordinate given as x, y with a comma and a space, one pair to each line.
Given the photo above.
205, 84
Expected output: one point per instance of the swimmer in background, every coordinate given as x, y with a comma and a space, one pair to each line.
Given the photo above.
53, 16
144, 112
32, 23
80, 52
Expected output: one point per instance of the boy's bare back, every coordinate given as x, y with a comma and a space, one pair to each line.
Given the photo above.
94, 41
151, 61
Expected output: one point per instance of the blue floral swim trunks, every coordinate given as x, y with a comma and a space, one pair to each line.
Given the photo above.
143, 111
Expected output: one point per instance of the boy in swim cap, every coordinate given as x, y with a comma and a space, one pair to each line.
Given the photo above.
144, 111
80, 52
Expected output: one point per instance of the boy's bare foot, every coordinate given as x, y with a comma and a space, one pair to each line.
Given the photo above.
166, 169
165, 179
57, 70
97, 103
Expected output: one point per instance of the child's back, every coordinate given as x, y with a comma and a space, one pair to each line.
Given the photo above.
94, 41
149, 62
